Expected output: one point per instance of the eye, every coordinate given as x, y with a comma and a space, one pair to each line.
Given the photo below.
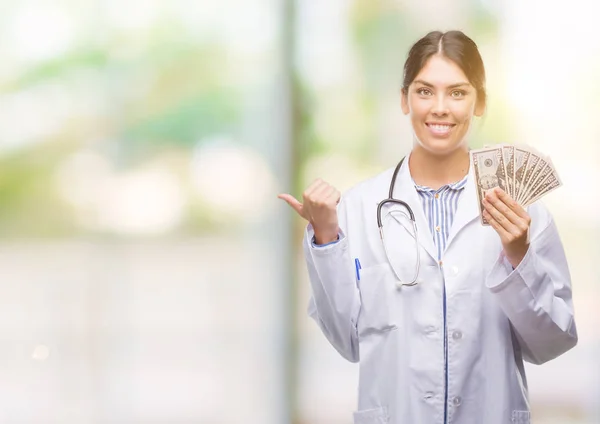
457, 94
424, 91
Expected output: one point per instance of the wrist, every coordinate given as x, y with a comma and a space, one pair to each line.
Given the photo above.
515, 257
324, 237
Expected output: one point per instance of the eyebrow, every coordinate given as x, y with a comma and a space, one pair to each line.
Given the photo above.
427, 84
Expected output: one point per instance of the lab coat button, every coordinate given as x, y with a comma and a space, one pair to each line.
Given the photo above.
457, 401
428, 395
457, 335
454, 271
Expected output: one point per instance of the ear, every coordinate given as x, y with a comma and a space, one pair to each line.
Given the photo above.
405, 108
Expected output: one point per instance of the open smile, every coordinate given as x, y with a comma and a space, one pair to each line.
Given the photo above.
440, 128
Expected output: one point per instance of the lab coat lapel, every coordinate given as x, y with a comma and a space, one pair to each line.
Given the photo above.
405, 190
467, 209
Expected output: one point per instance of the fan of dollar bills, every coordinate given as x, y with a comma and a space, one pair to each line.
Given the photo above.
525, 174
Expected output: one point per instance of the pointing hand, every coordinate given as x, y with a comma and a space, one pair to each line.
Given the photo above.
319, 208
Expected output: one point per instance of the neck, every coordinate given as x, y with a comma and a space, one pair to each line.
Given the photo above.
435, 171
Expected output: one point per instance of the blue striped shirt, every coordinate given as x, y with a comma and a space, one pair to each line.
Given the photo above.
439, 207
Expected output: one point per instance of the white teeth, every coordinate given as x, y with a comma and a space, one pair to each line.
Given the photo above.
440, 128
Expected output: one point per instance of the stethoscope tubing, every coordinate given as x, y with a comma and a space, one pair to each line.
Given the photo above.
391, 199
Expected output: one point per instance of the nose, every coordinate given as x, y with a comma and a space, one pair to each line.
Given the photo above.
440, 107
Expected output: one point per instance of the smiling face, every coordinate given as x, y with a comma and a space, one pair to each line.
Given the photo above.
441, 103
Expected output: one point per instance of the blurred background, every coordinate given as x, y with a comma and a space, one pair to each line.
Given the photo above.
149, 274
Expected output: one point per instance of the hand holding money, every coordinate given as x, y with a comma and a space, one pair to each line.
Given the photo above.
521, 172
508, 179
511, 222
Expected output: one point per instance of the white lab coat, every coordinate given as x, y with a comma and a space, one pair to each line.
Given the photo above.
495, 317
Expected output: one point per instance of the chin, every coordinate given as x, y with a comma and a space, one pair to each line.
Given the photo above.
441, 147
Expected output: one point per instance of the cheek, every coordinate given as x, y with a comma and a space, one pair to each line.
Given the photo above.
463, 113
418, 110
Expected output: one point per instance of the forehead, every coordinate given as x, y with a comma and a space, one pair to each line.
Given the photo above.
441, 71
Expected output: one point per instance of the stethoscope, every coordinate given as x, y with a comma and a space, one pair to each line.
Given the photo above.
391, 199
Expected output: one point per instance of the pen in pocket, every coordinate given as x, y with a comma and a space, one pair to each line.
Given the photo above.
358, 268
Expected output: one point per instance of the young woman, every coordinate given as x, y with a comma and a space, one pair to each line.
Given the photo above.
449, 348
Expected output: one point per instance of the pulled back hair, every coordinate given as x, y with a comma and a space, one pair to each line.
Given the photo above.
453, 45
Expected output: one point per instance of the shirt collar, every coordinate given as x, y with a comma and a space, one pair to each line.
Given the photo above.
456, 186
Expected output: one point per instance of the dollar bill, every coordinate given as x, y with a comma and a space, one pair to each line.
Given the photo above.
490, 172
532, 170
552, 182
509, 163
537, 177
521, 161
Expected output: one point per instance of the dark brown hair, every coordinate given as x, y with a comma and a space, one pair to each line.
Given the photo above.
454, 45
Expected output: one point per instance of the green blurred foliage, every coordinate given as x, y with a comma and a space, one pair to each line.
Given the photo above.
30, 205
164, 93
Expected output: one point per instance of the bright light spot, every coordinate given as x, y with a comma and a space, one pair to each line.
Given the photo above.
84, 178
542, 65
574, 200
133, 14
144, 201
232, 179
30, 116
40, 353
41, 32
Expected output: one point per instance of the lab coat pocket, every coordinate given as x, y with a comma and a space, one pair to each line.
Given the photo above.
372, 416
377, 294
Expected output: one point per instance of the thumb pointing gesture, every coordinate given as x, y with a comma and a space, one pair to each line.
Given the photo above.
295, 204
319, 208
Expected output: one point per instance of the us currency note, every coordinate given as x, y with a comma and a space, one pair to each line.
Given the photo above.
521, 160
536, 178
490, 172
509, 163
551, 182
535, 164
